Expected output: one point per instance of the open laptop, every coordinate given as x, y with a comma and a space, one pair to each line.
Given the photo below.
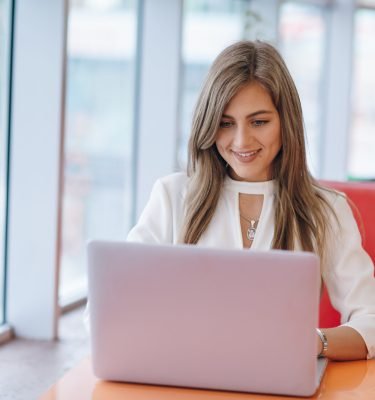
205, 318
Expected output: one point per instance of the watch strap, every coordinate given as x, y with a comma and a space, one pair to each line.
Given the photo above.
324, 340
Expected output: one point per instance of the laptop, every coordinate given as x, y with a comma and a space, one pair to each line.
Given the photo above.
195, 317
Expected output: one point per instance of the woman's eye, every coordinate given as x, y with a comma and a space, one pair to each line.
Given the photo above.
259, 122
225, 124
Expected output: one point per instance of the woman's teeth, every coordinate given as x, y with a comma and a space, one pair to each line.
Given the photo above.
247, 154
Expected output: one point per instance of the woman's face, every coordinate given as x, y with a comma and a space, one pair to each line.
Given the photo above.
249, 135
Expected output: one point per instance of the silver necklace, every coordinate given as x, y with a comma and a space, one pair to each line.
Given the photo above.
252, 229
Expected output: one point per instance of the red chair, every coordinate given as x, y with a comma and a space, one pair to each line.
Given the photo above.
362, 195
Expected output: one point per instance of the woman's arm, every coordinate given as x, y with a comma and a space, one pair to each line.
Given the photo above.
349, 278
344, 343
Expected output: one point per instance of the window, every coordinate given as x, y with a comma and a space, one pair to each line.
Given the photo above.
302, 33
5, 32
99, 132
362, 138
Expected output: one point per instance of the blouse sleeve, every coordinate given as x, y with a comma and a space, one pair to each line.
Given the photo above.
349, 276
155, 222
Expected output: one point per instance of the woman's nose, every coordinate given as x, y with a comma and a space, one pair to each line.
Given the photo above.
242, 136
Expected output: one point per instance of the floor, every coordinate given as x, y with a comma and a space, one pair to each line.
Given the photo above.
29, 367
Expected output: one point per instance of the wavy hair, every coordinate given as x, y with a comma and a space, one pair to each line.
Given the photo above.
301, 211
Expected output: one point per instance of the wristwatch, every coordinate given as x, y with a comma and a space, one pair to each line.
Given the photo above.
324, 340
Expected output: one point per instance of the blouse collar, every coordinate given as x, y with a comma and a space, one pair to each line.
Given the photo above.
266, 187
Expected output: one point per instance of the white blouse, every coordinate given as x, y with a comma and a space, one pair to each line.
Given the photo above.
348, 271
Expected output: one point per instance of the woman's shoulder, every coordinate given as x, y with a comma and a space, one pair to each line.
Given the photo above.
175, 180
175, 183
337, 201
332, 196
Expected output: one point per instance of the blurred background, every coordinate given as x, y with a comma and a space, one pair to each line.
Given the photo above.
328, 46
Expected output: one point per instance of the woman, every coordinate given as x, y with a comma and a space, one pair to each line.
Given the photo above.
248, 186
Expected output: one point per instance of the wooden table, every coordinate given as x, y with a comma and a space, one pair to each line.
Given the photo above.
342, 381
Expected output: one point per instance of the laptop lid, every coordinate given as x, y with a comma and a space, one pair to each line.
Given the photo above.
206, 318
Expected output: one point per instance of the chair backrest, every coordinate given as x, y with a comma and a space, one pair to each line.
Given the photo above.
362, 196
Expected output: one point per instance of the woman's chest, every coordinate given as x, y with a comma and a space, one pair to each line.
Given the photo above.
226, 230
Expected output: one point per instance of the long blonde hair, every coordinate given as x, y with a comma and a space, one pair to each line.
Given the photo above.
301, 212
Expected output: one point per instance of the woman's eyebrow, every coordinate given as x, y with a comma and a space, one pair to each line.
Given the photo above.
254, 114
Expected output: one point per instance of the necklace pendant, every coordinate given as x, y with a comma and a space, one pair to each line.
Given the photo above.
250, 234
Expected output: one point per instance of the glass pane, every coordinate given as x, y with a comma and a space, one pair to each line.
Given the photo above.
366, 3
362, 136
98, 136
302, 35
208, 27
4, 93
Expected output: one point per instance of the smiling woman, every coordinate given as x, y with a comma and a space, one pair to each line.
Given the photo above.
248, 185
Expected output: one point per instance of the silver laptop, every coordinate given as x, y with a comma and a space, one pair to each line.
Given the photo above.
205, 318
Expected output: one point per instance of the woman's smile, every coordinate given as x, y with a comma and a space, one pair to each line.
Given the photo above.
246, 156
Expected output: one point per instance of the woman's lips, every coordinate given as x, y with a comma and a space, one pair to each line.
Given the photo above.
246, 156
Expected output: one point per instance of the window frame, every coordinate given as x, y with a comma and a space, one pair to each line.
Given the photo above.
6, 332
160, 72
